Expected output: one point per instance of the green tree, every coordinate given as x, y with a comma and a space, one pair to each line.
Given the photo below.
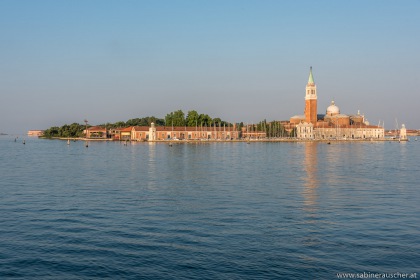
51, 132
192, 118
176, 118
217, 122
120, 124
205, 120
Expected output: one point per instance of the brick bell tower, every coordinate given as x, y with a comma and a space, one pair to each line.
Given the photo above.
311, 100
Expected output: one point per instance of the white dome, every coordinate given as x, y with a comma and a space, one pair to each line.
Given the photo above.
333, 109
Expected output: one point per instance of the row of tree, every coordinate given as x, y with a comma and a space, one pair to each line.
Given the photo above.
272, 129
193, 118
146, 121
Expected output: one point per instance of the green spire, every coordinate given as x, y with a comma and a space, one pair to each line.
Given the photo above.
311, 78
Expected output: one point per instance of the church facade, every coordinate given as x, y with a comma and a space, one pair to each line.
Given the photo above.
333, 124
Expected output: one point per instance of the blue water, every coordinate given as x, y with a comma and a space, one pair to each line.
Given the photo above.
207, 211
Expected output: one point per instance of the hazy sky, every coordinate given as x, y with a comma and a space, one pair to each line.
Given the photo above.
108, 61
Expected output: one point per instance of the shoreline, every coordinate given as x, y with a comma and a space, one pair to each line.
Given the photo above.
287, 140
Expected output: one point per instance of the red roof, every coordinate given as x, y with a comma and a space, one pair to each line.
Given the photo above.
96, 128
140, 128
126, 129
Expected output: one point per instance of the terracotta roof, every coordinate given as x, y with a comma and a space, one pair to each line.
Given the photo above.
126, 129
96, 128
140, 128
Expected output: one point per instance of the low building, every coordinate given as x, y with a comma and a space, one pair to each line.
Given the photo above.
305, 131
96, 132
355, 131
35, 132
140, 133
157, 133
115, 133
125, 134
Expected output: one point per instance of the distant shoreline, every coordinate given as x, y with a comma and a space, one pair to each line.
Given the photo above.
231, 141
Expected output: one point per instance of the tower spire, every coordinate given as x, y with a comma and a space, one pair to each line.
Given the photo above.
311, 100
311, 78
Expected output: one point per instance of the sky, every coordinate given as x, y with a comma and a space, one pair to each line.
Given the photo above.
106, 61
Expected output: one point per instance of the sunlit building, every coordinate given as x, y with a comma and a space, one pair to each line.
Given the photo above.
158, 133
333, 124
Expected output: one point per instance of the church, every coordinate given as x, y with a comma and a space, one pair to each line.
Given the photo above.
333, 124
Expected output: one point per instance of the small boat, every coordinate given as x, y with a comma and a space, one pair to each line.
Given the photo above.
68, 141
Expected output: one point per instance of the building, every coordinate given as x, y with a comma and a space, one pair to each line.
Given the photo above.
159, 133
333, 124
96, 132
251, 132
35, 132
311, 100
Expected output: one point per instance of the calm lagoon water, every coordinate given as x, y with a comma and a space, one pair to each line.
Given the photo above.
207, 211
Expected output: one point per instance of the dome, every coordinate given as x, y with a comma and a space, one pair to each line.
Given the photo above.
333, 109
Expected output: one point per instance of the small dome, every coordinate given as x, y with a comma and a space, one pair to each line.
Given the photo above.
333, 109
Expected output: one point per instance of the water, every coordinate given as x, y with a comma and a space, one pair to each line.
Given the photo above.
207, 211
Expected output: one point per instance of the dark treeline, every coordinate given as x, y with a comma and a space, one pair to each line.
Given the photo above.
146, 121
73, 130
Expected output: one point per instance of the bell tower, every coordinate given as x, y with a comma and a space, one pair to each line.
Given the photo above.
311, 100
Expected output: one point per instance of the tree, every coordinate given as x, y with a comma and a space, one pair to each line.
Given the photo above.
51, 132
73, 130
204, 120
176, 118
120, 124
217, 122
192, 118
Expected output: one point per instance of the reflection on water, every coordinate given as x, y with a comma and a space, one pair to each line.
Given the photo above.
311, 177
151, 166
